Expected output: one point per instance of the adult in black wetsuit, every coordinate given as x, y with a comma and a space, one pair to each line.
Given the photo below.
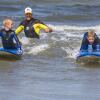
31, 26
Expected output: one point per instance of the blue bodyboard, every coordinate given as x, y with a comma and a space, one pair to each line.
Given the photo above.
11, 52
85, 56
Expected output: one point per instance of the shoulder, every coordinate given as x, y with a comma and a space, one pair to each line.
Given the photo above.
23, 22
37, 21
95, 35
12, 32
2, 30
86, 33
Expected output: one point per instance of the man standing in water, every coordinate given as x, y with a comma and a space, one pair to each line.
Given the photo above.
31, 26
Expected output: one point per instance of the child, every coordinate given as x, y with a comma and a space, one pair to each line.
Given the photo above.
8, 36
90, 38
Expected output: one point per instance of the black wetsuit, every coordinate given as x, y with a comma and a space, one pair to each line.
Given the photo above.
85, 42
29, 29
9, 39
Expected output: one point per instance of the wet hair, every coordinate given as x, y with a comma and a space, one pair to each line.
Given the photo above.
91, 33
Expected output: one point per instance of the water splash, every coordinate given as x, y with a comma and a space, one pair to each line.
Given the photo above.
37, 49
60, 28
71, 53
66, 37
25, 41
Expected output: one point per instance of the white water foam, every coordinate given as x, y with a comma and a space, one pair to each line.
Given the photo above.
64, 32
71, 53
59, 28
25, 40
61, 33
43, 35
37, 49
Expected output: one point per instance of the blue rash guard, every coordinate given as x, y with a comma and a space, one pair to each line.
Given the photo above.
85, 42
9, 39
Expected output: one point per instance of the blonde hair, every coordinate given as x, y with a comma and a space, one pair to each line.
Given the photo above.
6, 21
91, 33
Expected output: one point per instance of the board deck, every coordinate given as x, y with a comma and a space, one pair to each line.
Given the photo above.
85, 56
15, 53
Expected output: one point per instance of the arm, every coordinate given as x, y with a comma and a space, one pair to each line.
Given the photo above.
83, 41
97, 40
19, 29
0, 34
40, 26
84, 45
16, 39
85, 35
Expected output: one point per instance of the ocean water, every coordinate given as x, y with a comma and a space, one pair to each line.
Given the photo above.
48, 69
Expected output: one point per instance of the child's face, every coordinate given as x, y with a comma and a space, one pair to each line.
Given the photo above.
91, 39
9, 24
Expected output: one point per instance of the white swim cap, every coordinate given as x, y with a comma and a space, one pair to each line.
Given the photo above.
28, 10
